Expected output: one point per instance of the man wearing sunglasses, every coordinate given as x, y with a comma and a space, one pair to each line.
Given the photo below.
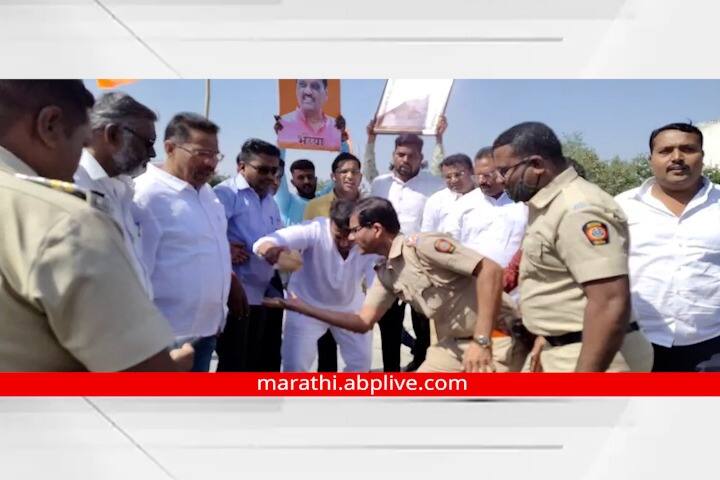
574, 284
252, 343
120, 147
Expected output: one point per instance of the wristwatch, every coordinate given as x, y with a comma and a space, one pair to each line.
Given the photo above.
483, 341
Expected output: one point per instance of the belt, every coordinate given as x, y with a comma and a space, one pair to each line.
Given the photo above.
576, 337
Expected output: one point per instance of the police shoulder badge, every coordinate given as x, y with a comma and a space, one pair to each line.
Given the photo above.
596, 233
444, 246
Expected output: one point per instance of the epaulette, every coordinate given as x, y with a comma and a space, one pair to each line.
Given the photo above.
412, 240
91, 197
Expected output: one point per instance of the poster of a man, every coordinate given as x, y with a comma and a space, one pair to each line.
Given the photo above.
309, 115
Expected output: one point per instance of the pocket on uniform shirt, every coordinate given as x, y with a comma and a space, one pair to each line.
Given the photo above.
429, 293
538, 255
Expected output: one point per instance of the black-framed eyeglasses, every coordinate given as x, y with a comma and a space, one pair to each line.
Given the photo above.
203, 153
503, 171
149, 142
355, 230
264, 170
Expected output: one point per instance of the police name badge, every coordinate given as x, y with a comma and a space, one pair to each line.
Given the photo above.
596, 233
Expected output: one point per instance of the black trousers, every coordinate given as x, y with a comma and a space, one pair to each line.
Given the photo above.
421, 327
391, 336
327, 353
391, 325
684, 358
240, 344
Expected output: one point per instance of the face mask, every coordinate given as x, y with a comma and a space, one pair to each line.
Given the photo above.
521, 191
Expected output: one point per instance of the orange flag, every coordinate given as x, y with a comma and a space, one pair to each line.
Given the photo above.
109, 84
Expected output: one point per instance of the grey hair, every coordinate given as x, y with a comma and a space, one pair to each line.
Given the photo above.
119, 108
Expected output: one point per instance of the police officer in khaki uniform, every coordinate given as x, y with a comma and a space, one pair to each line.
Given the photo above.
69, 297
574, 288
452, 285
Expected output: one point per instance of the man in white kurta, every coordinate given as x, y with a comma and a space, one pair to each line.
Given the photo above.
332, 276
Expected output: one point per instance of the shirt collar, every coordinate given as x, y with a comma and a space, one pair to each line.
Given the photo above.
301, 116
546, 194
10, 162
172, 181
396, 247
644, 194
92, 167
241, 183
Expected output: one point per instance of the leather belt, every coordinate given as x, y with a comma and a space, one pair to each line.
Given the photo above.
576, 337
496, 333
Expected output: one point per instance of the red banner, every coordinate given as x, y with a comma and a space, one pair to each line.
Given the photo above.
359, 385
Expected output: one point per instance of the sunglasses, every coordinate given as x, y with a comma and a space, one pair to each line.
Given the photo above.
149, 143
263, 170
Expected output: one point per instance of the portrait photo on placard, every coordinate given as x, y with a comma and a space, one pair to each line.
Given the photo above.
309, 111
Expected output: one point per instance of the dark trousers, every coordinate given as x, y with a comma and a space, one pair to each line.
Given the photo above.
684, 358
327, 353
391, 336
421, 327
270, 357
239, 346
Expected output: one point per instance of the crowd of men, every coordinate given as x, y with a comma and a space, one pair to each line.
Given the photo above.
508, 261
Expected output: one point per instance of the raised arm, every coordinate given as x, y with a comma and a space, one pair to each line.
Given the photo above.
370, 170
439, 151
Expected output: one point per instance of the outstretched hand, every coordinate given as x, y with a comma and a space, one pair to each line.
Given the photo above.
292, 302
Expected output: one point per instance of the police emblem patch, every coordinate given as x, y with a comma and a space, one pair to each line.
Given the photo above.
596, 233
444, 246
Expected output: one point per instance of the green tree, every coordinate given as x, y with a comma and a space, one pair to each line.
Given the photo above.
713, 173
613, 176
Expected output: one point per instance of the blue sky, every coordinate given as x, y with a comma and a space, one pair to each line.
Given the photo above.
614, 116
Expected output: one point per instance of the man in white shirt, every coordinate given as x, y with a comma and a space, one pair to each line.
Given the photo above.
407, 188
457, 171
253, 343
675, 251
486, 219
190, 263
121, 145
331, 277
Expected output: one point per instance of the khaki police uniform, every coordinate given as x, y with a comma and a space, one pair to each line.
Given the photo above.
434, 274
69, 296
576, 234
